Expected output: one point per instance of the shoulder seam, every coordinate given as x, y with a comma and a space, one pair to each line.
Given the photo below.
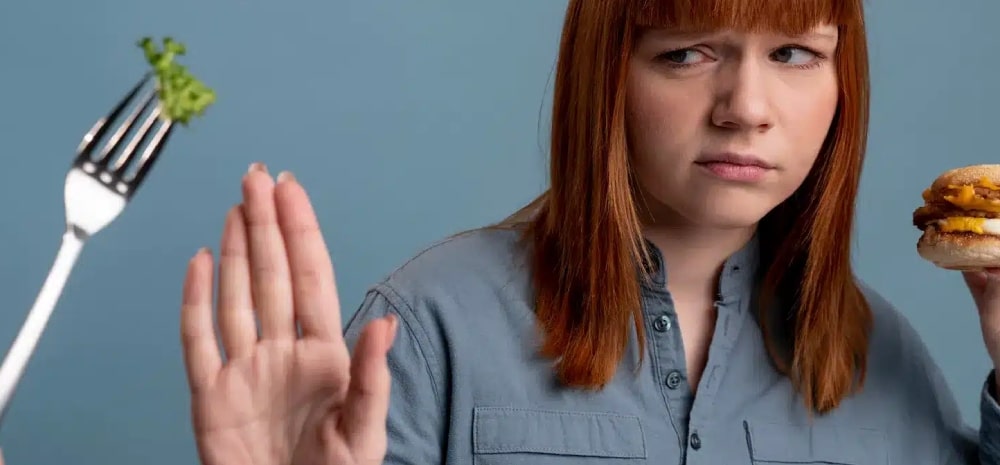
414, 327
435, 245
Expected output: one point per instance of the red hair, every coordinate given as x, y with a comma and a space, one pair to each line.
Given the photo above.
585, 233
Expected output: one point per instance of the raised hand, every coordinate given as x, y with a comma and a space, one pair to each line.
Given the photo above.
289, 392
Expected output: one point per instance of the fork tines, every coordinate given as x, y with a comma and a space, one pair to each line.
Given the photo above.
133, 143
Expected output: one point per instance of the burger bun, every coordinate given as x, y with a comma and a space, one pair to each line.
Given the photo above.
959, 251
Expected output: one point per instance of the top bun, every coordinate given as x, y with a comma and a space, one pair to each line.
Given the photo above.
968, 175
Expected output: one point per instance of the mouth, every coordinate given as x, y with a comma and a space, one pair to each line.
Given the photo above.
735, 159
735, 167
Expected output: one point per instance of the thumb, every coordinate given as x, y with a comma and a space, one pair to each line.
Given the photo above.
985, 287
974, 278
367, 403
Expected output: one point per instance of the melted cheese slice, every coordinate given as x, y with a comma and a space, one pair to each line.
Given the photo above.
967, 199
985, 182
968, 224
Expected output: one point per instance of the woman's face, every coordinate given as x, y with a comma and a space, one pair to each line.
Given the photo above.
724, 126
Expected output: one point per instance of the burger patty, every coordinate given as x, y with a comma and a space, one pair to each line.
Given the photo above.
988, 193
939, 210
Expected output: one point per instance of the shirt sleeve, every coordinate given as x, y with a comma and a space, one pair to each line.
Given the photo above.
938, 422
417, 413
989, 429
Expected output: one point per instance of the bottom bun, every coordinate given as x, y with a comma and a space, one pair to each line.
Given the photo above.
960, 251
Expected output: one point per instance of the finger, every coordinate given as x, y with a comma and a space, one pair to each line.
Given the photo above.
271, 286
974, 279
201, 351
990, 283
236, 320
314, 291
367, 403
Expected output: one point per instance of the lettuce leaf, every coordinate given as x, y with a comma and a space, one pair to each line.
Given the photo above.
182, 96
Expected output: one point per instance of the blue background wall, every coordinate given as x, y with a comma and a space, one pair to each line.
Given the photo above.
406, 121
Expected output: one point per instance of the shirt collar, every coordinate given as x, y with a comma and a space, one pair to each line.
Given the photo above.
739, 271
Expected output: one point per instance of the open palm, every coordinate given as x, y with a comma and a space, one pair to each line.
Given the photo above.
288, 392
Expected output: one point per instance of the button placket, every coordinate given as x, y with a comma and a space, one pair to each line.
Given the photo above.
675, 390
658, 309
732, 314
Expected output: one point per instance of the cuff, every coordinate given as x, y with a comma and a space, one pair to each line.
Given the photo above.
989, 410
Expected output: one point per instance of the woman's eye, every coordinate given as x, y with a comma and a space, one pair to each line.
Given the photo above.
683, 57
793, 55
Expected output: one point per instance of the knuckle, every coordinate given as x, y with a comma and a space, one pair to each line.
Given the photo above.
309, 281
230, 251
190, 334
258, 218
304, 229
268, 268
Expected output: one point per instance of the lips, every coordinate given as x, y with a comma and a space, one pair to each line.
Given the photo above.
737, 159
735, 167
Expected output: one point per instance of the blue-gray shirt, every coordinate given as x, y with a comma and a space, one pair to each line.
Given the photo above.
468, 386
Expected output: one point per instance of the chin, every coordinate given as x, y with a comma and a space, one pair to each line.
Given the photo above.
707, 206
731, 209
724, 215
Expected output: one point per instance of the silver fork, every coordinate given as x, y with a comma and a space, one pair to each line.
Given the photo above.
98, 186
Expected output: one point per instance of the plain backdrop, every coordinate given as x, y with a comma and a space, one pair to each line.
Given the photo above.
406, 121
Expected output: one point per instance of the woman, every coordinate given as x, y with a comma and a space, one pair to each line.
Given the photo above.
683, 292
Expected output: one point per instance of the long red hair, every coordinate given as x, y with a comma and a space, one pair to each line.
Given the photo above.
585, 234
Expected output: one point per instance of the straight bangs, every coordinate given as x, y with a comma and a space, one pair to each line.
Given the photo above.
791, 17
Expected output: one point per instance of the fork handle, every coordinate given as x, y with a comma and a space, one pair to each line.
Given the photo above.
31, 331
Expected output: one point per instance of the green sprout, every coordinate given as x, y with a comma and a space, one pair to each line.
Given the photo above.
182, 96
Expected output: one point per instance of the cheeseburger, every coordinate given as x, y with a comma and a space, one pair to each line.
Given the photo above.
960, 219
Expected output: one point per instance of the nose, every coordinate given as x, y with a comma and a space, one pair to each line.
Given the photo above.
742, 101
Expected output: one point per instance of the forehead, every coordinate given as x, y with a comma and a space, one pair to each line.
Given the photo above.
790, 17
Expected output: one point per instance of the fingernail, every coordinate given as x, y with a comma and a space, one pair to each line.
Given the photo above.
194, 258
285, 176
257, 166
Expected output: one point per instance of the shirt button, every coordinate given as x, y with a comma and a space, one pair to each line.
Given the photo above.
662, 324
673, 379
695, 441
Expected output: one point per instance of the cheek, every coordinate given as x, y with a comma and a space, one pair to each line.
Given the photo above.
811, 125
664, 111
655, 147
664, 126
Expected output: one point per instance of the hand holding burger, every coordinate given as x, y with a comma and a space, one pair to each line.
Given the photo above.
960, 220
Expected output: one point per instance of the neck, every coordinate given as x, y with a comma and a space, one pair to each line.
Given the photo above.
695, 256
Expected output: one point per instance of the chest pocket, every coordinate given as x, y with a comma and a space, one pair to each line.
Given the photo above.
773, 443
504, 435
